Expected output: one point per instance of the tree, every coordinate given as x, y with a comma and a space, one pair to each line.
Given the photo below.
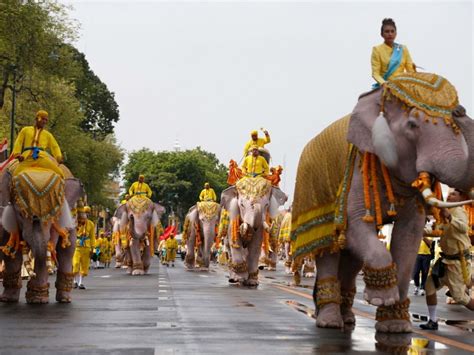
177, 178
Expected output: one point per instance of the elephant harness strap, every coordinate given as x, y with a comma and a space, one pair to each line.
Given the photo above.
197, 231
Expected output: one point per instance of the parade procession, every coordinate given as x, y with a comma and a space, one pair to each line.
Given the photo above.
237, 191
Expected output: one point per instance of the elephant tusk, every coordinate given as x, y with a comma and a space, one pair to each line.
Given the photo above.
430, 199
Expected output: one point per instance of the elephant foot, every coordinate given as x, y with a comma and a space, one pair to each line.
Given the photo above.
204, 269
138, 272
288, 270
10, 295
394, 326
252, 280
188, 267
271, 268
64, 284
126, 267
394, 318
381, 285
309, 274
394, 343
118, 265
129, 270
63, 297
37, 294
329, 316
347, 300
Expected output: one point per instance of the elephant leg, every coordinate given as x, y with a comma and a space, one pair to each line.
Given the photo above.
38, 287
65, 276
238, 268
146, 259
406, 237
327, 292
349, 268
254, 250
379, 270
11, 279
137, 264
118, 256
189, 260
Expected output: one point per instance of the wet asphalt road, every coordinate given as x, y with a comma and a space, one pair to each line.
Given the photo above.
173, 311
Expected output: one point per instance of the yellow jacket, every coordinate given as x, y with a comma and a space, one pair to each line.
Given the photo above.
140, 188
86, 235
381, 55
171, 244
44, 140
260, 142
255, 166
208, 195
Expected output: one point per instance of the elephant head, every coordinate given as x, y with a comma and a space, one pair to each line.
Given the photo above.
139, 214
252, 199
411, 139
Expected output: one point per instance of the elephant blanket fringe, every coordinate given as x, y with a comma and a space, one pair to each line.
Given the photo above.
208, 209
319, 208
223, 224
253, 187
186, 229
13, 245
139, 204
38, 192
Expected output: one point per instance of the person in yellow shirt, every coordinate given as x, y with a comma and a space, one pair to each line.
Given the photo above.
390, 59
255, 165
140, 188
171, 248
208, 193
85, 243
33, 144
255, 141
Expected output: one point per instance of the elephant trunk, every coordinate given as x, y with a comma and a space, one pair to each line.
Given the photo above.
208, 234
39, 242
256, 219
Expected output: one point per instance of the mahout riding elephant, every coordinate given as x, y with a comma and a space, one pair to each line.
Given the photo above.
248, 205
139, 217
379, 165
40, 220
201, 221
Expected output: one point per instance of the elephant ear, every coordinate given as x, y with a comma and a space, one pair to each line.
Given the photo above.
229, 201
122, 215
363, 119
73, 189
158, 211
191, 209
277, 199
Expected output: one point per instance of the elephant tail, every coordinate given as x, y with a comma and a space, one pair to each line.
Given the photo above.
39, 242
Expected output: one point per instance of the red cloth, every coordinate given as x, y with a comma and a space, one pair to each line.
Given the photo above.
170, 230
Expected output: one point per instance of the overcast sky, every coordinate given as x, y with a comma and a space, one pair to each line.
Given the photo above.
207, 73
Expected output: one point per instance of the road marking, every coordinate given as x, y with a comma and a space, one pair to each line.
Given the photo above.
431, 336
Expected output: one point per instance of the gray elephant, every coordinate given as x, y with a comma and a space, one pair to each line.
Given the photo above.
201, 222
248, 203
380, 165
139, 217
39, 219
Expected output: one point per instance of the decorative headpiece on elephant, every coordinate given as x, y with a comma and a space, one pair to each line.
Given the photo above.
139, 217
369, 169
35, 211
248, 204
200, 232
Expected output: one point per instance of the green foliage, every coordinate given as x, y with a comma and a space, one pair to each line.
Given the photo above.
177, 178
53, 75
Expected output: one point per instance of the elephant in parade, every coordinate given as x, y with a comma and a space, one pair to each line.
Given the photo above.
382, 164
139, 217
36, 217
250, 206
200, 232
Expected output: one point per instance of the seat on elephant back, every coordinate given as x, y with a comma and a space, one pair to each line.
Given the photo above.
38, 193
253, 187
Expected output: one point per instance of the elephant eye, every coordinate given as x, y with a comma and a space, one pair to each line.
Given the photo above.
412, 124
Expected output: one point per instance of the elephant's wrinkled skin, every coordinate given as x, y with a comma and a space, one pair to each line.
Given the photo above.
37, 235
139, 225
407, 145
206, 225
245, 252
